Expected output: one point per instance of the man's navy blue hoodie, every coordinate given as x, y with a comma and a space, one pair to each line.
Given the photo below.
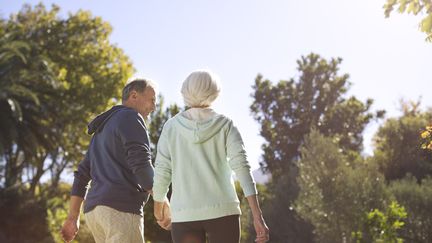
118, 163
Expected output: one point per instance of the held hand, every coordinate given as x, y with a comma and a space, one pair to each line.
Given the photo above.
163, 214
261, 230
158, 210
70, 229
166, 222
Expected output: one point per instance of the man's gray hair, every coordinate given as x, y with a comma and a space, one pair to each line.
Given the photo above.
137, 84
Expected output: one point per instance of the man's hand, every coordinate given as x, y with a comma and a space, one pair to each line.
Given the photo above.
162, 214
71, 225
70, 229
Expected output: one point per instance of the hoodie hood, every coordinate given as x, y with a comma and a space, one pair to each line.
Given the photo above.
99, 122
201, 130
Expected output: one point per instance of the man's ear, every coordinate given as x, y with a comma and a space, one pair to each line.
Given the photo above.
133, 95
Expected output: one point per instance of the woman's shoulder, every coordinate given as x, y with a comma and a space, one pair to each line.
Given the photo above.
170, 122
222, 117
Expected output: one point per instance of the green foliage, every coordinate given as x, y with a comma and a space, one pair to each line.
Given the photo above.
27, 218
383, 227
335, 190
283, 220
23, 130
398, 146
61, 71
414, 7
426, 135
289, 110
416, 198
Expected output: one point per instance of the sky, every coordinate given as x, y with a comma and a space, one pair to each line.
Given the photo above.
387, 58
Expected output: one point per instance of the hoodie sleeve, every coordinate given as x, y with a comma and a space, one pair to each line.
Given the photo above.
163, 168
134, 137
81, 177
238, 161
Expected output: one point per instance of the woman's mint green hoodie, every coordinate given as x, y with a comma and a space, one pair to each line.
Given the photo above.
198, 157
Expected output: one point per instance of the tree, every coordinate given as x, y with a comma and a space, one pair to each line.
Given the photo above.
398, 145
335, 192
426, 135
283, 220
289, 110
382, 227
413, 7
89, 73
22, 128
416, 198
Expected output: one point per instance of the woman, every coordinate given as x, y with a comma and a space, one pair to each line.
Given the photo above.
197, 151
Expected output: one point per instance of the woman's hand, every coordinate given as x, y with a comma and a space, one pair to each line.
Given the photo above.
162, 214
261, 230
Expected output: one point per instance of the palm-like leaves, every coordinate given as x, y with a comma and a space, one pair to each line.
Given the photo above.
23, 124
54, 74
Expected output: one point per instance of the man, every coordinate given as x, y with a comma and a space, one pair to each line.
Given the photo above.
118, 164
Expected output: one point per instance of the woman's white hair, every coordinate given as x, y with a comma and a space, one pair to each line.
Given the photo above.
200, 88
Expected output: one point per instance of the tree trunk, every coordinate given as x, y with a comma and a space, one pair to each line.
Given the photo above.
39, 173
13, 167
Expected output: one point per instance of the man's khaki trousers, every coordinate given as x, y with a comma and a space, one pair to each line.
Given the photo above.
111, 226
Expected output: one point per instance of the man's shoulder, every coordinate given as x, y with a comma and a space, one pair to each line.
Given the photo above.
127, 113
127, 117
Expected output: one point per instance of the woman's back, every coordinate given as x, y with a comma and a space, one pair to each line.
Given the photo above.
201, 172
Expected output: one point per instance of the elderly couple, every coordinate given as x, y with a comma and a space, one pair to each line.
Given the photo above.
197, 151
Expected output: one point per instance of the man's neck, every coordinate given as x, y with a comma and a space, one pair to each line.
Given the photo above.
127, 104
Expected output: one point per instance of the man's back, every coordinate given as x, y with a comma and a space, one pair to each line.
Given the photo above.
118, 161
